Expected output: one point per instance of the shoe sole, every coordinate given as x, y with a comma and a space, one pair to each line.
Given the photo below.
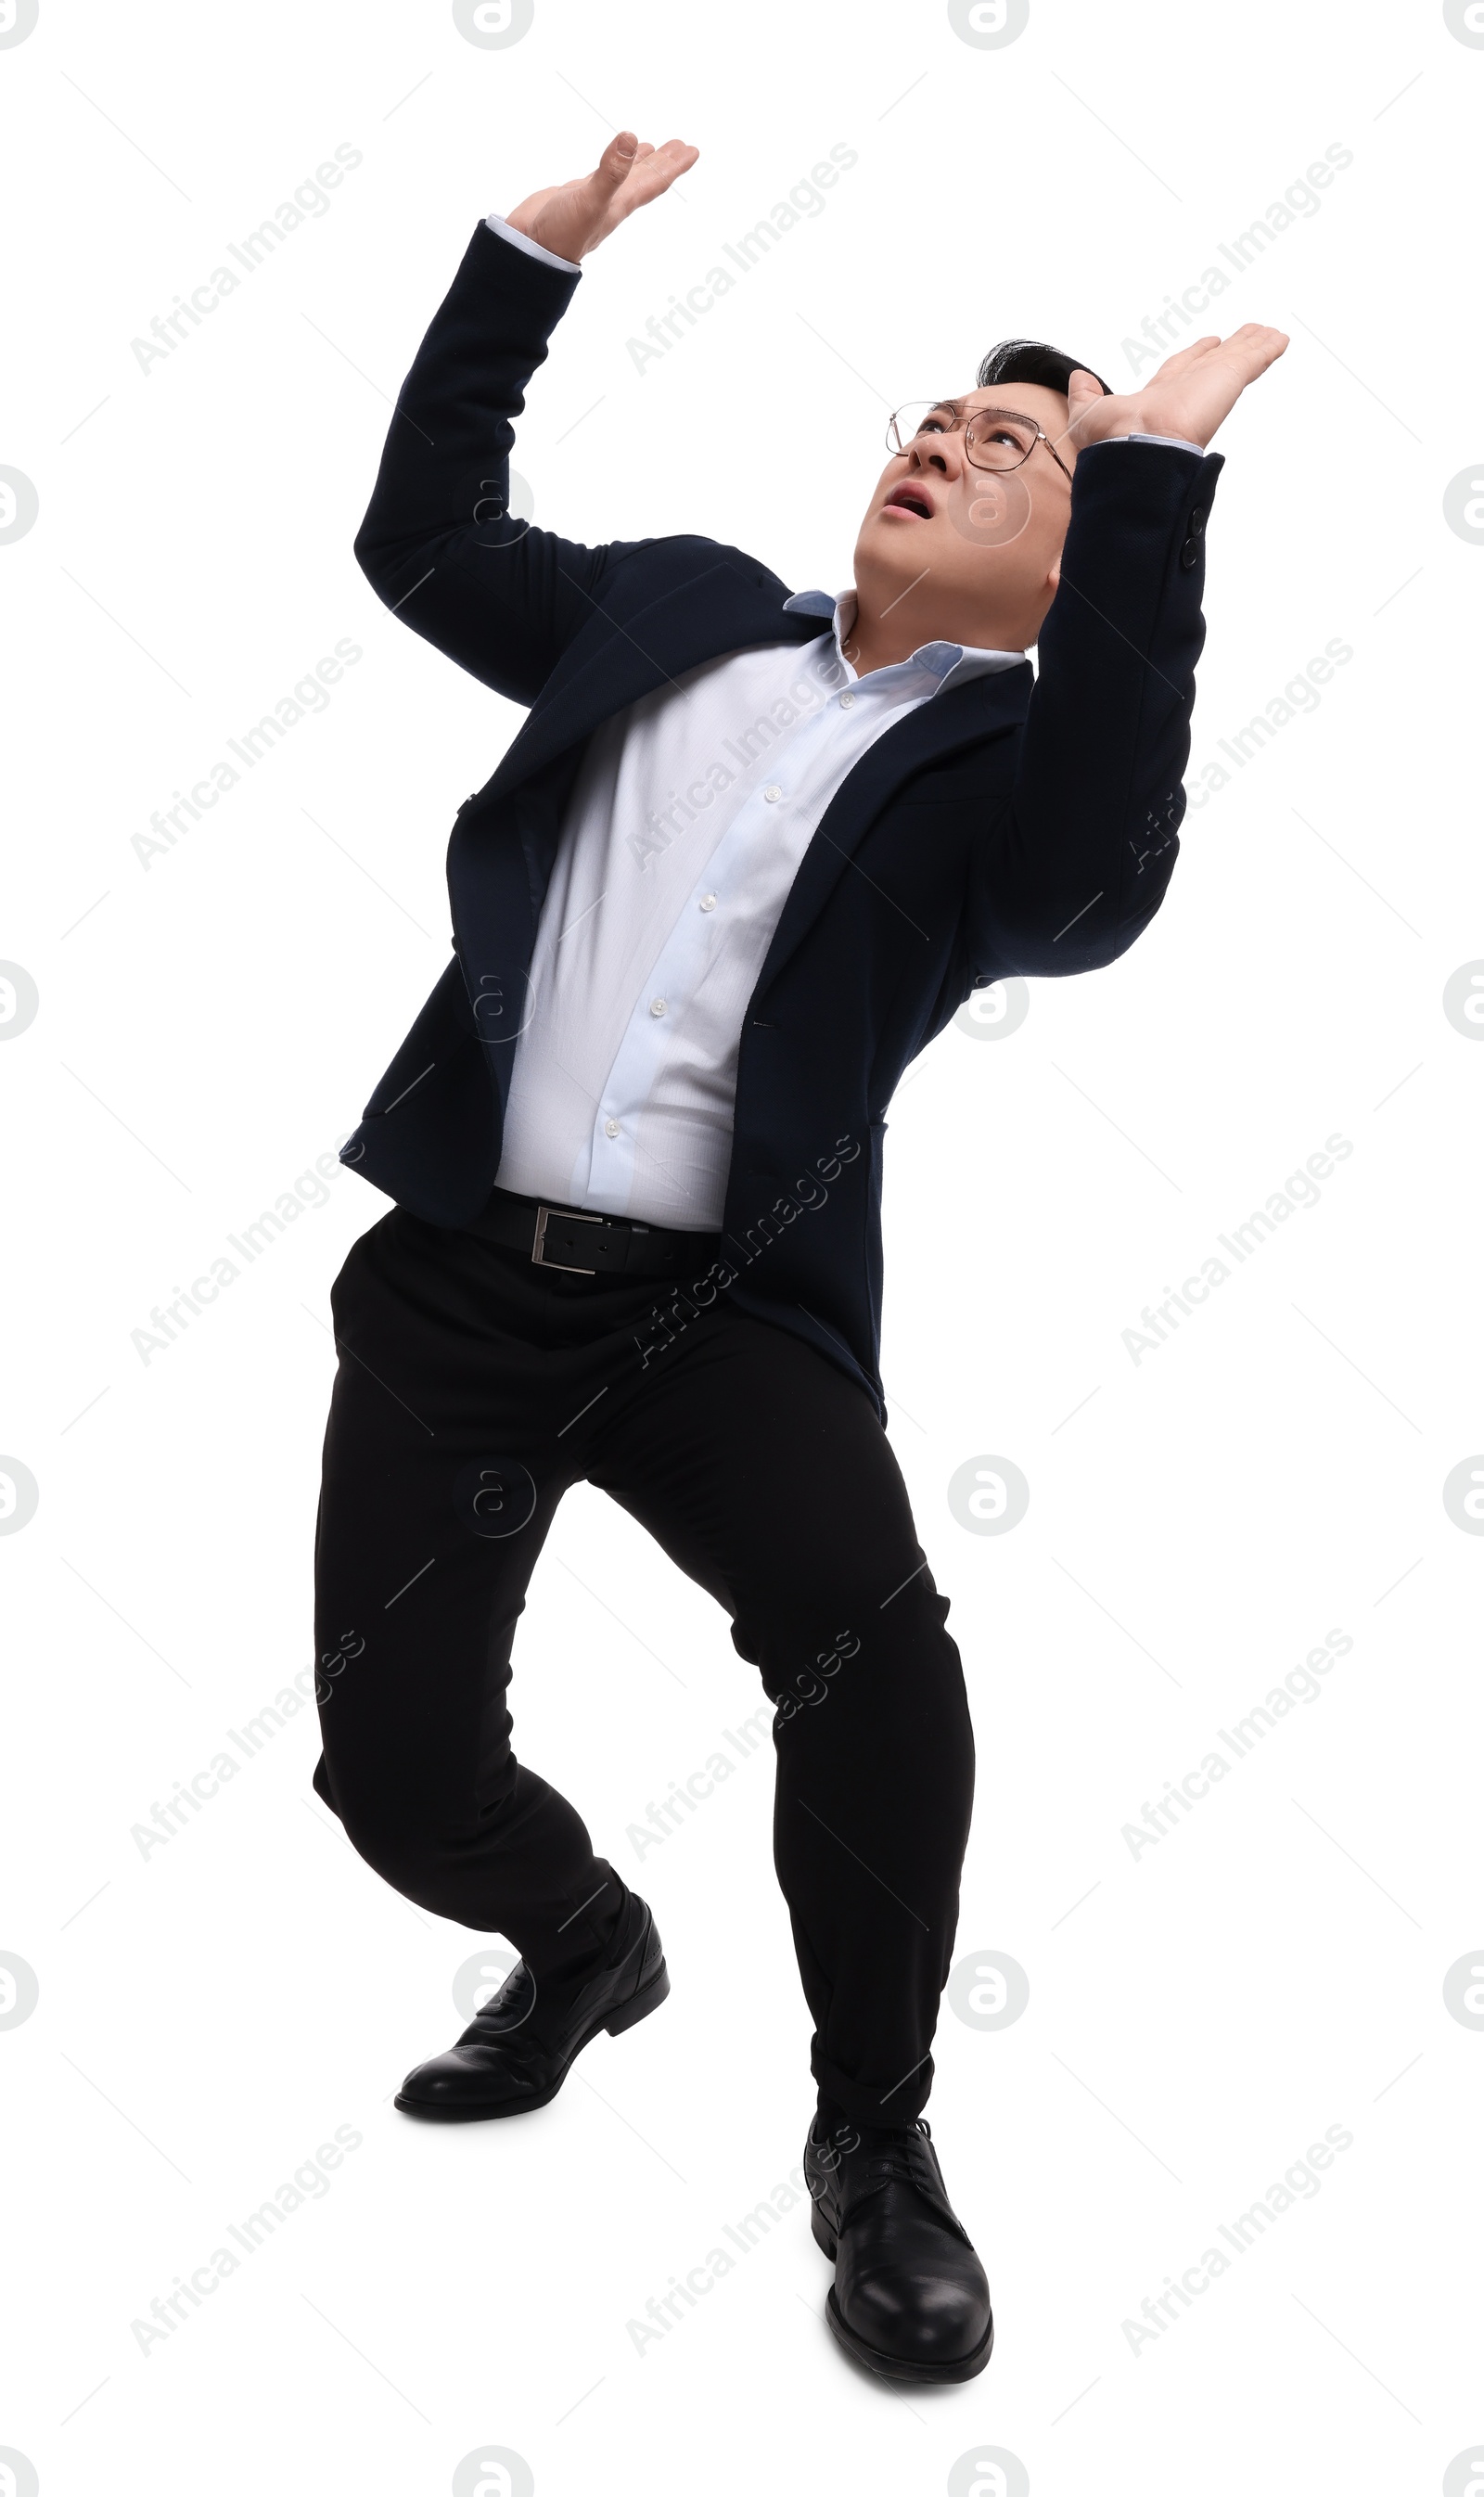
626, 2016
881, 2362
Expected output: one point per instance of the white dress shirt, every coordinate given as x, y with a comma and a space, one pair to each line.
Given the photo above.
684, 831
686, 828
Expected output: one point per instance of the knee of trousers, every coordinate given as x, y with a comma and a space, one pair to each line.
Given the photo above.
410, 1844
889, 1655
412, 1856
425, 1845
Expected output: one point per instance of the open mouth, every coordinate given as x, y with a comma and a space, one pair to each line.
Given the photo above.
909, 498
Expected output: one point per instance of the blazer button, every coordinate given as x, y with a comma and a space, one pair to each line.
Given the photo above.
1190, 554
1198, 520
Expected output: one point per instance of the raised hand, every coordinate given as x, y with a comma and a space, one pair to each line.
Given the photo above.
1189, 396
572, 218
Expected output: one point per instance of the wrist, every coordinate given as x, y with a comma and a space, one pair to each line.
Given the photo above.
548, 221
527, 226
1171, 424
1133, 420
516, 229
1103, 422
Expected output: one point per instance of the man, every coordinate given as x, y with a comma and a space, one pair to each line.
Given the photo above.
747, 855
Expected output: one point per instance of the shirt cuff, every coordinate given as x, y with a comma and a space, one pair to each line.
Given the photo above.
537, 250
1172, 441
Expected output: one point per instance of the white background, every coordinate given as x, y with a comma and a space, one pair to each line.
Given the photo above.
211, 1023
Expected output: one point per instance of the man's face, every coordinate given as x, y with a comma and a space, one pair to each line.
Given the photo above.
972, 555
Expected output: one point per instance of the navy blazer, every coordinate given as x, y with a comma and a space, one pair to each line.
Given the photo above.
1017, 823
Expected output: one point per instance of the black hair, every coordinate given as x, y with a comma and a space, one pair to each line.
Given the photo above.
1031, 360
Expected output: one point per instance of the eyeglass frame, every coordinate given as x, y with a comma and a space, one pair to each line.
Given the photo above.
960, 417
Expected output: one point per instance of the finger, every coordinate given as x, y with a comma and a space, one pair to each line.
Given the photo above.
662, 167
1246, 354
1182, 363
616, 161
1083, 390
677, 156
1255, 347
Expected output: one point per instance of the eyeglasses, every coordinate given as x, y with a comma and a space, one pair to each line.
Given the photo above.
996, 438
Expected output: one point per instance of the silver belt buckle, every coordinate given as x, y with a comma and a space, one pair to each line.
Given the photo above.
538, 1256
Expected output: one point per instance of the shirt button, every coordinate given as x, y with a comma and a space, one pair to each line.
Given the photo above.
708, 901
611, 1127
847, 702
656, 1005
772, 790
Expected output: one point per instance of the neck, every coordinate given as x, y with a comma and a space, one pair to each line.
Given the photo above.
883, 639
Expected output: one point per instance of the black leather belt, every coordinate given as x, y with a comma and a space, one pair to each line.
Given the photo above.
591, 1244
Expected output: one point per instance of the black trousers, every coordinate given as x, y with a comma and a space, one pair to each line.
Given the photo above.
473, 1388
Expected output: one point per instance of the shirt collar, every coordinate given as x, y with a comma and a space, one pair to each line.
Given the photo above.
948, 662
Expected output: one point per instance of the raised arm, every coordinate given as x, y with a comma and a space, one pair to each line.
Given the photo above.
437, 543
1079, 863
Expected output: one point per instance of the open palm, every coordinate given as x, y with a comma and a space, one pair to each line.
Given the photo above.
570, 218
1189, 397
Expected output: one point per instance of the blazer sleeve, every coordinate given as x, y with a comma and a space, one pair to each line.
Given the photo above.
1077, 863
437, 544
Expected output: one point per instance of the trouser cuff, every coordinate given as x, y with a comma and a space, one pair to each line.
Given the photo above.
865, 2103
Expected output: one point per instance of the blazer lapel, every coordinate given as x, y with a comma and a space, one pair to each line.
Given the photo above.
961, 717
617, 660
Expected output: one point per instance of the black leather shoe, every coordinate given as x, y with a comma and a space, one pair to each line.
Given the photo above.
517, 2050
910, 2298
